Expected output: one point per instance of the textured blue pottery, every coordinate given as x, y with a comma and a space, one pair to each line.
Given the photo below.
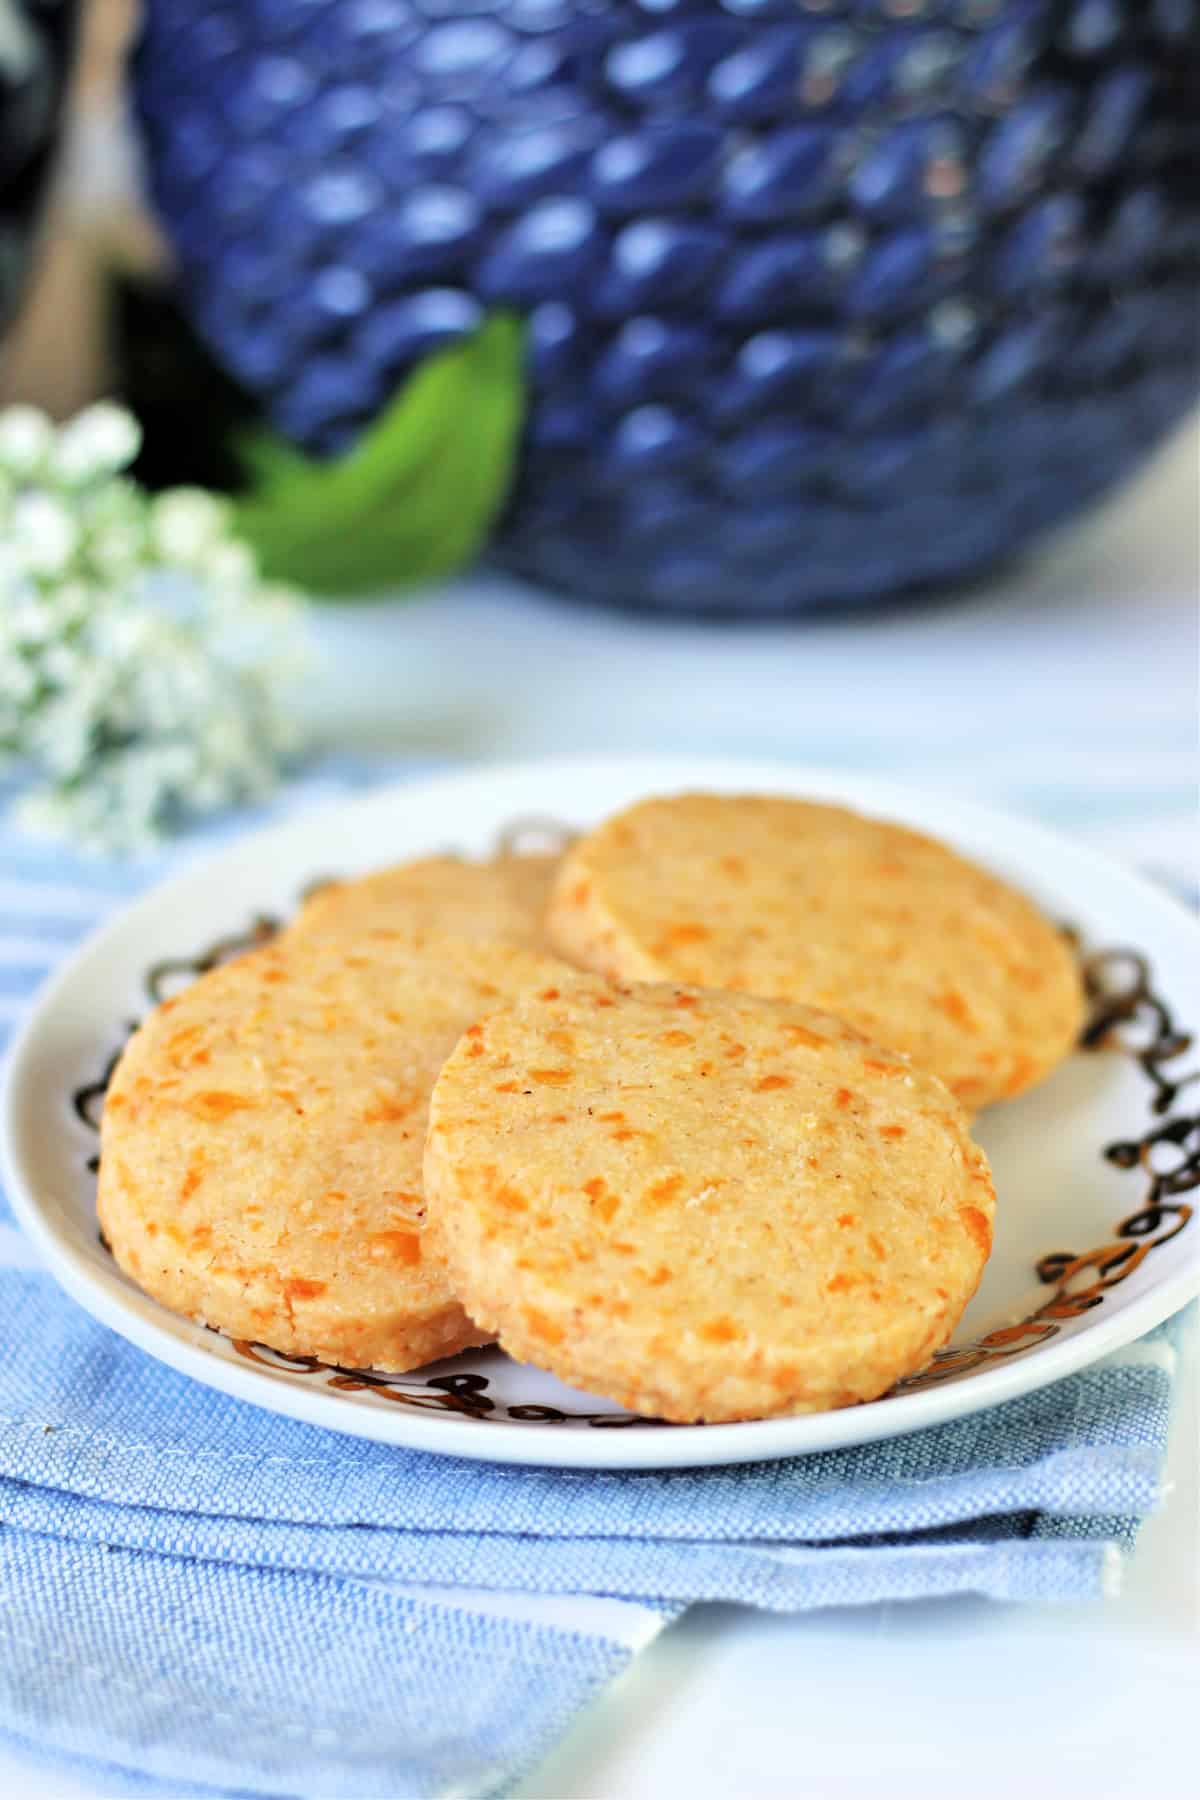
826, 302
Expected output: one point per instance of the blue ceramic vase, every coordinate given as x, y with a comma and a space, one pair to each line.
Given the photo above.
826, 301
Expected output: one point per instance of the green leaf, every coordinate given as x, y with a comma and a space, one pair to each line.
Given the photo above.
267, 460
415, 498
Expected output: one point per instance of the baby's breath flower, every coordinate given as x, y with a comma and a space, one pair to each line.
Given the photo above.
26, 438
187, 523
142, 661
229, 564
98, 441
43, 532
115, 548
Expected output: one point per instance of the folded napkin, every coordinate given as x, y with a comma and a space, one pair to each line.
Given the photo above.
202, 1598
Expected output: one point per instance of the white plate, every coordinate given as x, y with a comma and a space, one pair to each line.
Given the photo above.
1114, 1224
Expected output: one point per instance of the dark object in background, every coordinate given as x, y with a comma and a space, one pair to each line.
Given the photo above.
36, 42
826, 302
192, 413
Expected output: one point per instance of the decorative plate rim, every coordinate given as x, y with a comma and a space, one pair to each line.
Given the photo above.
142, 1321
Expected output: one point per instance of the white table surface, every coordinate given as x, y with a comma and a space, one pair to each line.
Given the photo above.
1077, 666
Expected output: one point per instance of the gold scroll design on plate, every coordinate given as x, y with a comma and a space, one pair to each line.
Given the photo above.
1126, 1016
464, 1393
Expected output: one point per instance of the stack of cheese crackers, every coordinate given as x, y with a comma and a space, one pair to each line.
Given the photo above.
683, 1117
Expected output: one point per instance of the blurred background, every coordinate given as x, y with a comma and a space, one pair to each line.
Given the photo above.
840, 358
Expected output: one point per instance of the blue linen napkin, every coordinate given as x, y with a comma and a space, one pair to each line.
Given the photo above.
202, 1598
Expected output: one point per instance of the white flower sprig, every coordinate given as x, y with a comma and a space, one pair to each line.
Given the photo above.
143, 662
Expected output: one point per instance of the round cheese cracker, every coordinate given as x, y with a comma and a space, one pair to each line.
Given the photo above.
704, 1205
262, 1137
503, 899
890, 930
